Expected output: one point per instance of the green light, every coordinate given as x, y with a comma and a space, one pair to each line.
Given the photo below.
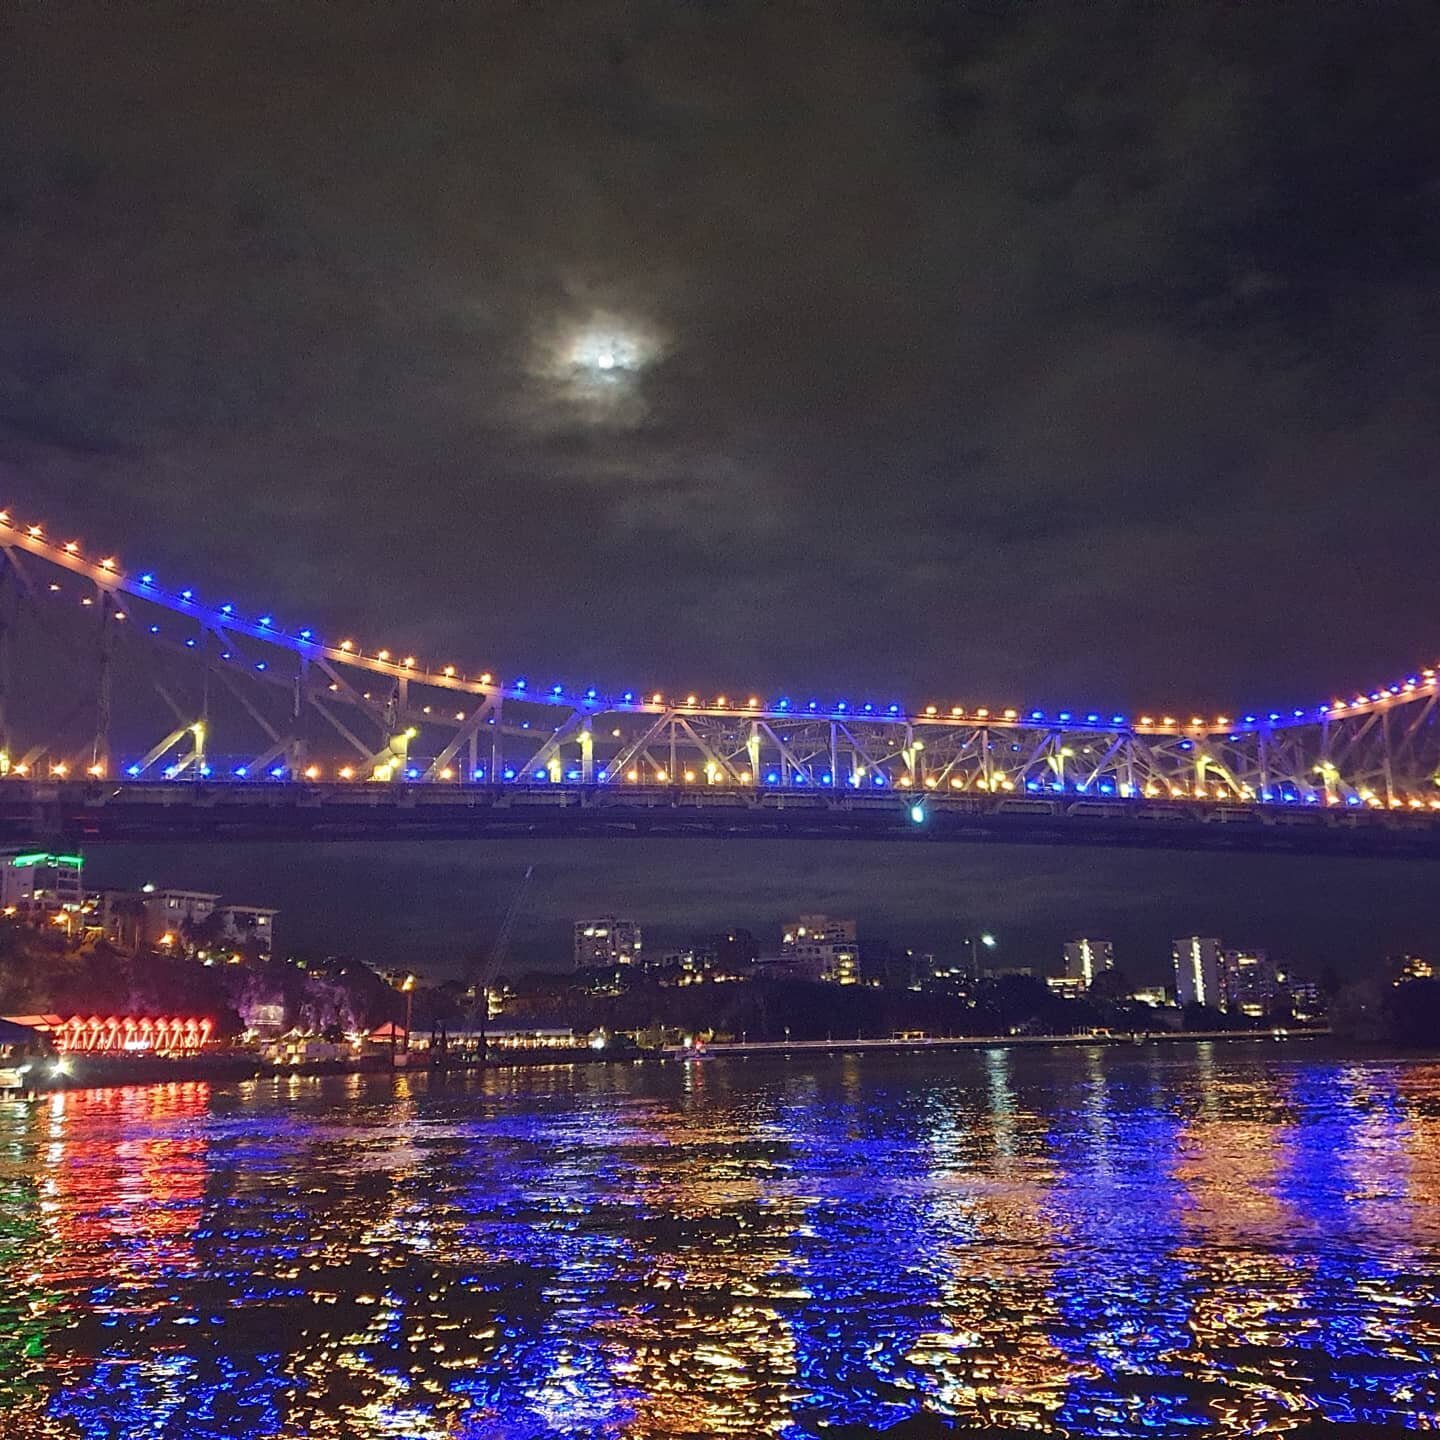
40, 857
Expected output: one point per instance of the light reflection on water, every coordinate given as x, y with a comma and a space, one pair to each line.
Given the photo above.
1206, 1240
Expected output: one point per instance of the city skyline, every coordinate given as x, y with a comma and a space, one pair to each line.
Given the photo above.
456, 893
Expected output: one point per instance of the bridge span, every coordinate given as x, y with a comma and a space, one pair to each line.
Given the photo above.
87, 811
135, 708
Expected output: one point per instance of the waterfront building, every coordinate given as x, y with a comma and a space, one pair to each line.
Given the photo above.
248, 925
1068, 987
1085, 959
1151, 995
1307, 1002
606, 942
1251, 983
1412, 967
1198, 971
38, 885
788, 967
826, 944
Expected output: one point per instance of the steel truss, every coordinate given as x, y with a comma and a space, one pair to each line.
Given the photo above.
245, 701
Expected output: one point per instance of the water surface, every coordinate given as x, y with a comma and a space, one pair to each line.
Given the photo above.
1188, 1240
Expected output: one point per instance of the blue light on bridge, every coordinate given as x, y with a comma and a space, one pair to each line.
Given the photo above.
840, 705
1037, 714
894, 709
509, 775
869, 708
478, 775
557, 689
278, 773
154, 629
827, 778
591, 693
1032, 784
520, 684
307, 634
227, 608
782, 704
539, 774
878, 780
772, 778
917, 814
1064, 714
205, 770
1092, 719
147, 578
261, 665
412, 774
240, 772
603, 776
190, 643
572, 774
264, 622
132, 770
187, 594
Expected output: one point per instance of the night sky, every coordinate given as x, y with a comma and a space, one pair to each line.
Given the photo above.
981, 353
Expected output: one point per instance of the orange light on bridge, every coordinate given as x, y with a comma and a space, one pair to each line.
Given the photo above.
930, 710
312, 772
72, 547
957, 710
448, 672
383, 655
347, 646
447, 773
34, 531
409, 662
108, 563
347, 772
632, 775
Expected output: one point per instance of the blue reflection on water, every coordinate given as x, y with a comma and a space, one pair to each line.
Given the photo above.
1122, 1291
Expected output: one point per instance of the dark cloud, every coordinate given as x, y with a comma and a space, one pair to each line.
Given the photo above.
1064, 354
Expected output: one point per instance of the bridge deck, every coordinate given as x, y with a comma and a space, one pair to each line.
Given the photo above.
145, 811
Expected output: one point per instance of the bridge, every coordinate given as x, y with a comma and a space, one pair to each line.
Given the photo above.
135, 709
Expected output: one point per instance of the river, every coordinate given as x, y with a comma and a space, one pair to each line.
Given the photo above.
1217, 1239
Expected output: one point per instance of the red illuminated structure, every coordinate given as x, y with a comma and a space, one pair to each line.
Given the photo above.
121, 1034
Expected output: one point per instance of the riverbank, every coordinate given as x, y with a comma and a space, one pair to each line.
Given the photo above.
925, 1043
90, 1072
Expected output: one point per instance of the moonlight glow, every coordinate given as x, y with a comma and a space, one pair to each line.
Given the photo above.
607, 355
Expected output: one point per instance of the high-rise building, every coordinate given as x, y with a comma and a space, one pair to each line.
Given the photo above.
826, 946
1198, 971
606, 942
1085, 959
1251, 983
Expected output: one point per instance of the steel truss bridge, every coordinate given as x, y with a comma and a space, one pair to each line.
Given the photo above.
133, 710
